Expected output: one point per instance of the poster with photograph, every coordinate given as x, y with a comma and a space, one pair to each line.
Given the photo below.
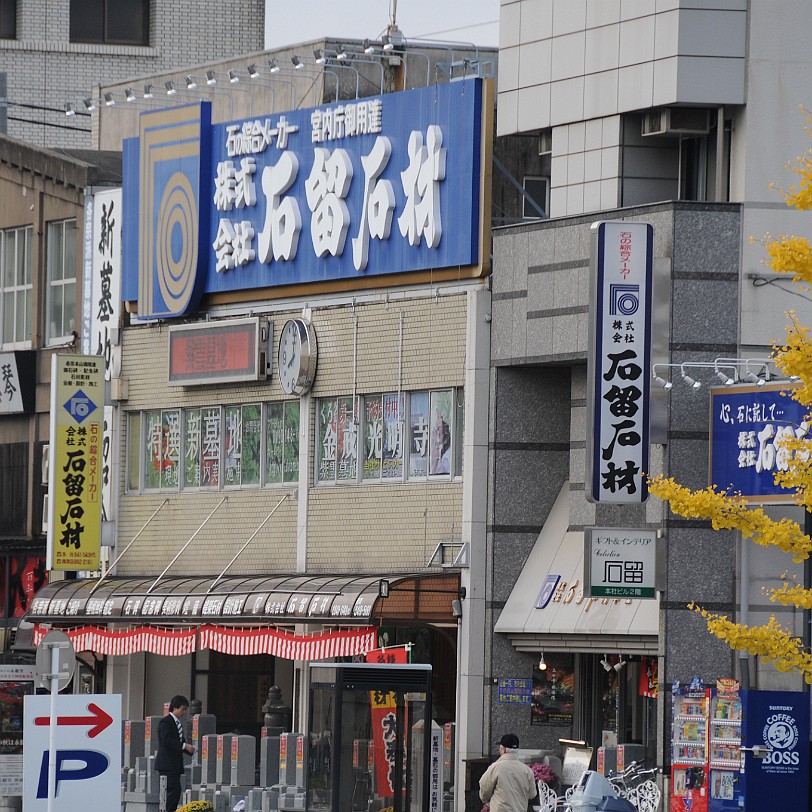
554, 691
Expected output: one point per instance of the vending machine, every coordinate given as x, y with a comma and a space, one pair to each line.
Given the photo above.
689, 746
724, 747
738, 750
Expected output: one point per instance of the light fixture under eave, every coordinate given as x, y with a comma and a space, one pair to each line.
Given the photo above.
109, 101
148, 92
607, 666
619, 664
69, 111
253, 72
661, 381
210, 78
191, 84
297, 63
320, 56
170, 88
273, 65
129, 95
542, 664
90, 105
692, 382
233, 76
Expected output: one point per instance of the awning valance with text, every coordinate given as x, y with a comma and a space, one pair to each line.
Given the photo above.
334, 600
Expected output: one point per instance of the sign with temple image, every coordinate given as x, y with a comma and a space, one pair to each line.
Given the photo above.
363, 188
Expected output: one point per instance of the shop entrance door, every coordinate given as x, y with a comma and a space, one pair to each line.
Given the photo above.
370, 739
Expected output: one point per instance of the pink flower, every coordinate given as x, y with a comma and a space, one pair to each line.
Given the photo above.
544, 772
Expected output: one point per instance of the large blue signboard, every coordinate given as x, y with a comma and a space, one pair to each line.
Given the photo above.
747, 425
383, 185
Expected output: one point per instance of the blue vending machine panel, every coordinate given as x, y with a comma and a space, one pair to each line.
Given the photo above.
778, 721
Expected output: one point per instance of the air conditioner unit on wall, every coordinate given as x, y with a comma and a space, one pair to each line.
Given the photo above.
676, 121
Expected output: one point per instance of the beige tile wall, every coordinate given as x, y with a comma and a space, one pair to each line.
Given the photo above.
391, 527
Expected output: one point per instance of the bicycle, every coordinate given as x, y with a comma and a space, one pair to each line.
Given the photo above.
636, 784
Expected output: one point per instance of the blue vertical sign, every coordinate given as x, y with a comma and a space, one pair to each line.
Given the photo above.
747, 425
779, 722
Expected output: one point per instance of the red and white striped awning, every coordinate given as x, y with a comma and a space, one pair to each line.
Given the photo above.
237, 641
342, 643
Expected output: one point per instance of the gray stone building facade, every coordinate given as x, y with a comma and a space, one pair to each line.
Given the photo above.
540, 325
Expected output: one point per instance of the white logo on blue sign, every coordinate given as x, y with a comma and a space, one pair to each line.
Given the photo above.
79, 406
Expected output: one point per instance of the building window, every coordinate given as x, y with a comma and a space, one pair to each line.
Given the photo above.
110, 21
536, 194
61, 307
396, 436
282, 442
213, 447
16, 286
8, 19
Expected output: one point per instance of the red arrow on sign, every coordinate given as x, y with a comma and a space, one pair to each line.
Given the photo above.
100, 720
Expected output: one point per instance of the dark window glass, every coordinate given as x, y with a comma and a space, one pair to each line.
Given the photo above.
13, 488
8, 19
536, 189
128, 21
87, 20
110, 21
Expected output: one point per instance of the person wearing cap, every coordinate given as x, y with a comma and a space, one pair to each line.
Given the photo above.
508, 784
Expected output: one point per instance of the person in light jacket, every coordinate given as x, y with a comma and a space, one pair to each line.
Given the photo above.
508, 784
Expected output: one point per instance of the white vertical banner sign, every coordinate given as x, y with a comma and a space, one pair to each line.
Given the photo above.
618, 380
105, 307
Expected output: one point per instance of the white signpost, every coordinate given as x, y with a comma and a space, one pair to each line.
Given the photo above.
87, 753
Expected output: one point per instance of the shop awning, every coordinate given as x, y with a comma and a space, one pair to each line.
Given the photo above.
570, 621
170, 642
334, 600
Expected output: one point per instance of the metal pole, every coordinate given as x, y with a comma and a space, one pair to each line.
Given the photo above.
53, 681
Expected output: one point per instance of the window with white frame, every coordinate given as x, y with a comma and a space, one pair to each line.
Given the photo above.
61, 301
389, 437
16, 287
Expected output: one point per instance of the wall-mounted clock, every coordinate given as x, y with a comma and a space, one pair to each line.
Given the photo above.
296, 360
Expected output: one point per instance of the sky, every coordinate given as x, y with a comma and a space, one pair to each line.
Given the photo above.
289, 22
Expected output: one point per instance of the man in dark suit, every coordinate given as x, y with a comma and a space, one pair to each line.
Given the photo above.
171, 747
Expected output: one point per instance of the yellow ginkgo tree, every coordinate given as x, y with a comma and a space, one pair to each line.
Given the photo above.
774, 644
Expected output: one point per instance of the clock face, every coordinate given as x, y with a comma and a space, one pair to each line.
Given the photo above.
297, 357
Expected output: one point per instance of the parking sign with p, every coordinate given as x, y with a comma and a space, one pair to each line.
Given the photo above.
87, 752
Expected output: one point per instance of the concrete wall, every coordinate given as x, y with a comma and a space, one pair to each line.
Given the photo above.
393, 527
573, 60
